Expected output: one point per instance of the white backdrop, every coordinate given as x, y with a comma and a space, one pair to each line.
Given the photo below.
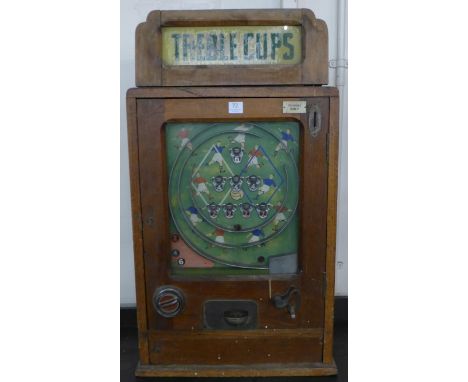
132, 13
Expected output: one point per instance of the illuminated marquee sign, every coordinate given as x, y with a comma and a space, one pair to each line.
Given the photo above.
232, 45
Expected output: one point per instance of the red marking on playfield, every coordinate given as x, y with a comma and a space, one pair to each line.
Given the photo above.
192, 259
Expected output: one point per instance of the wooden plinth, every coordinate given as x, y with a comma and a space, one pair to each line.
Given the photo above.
261, 370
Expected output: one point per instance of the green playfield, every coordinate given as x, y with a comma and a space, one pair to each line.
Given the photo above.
233, 196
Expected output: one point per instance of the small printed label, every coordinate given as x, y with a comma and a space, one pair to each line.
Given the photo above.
294, 107
236, 107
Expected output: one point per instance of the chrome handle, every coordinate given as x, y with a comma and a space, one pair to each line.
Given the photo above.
282, 301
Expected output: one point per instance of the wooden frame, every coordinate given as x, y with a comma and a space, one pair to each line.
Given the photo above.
324, 332
312, 70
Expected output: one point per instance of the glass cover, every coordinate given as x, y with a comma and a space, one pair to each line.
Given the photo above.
233, 197
232, 45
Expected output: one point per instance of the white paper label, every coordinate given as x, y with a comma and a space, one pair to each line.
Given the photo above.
292, 107
236, 107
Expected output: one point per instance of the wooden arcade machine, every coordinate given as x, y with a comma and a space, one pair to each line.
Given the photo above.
233, 143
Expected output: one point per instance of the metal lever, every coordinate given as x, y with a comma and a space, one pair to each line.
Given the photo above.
283, 301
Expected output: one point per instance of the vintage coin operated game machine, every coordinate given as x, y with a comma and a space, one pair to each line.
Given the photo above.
233, 160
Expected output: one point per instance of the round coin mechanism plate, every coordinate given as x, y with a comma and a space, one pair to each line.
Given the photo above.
168, 301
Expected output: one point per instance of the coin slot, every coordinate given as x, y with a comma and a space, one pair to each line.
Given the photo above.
168, 301
230, 314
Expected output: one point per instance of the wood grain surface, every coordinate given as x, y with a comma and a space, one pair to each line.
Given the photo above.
312, 70
308, 339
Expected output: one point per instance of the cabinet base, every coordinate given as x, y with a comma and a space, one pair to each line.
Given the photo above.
262, 370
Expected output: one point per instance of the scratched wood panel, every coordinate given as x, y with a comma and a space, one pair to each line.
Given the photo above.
308, 64
234, 91
312, 257
171, 341
331, 228
307, 369
211, 348
137, 229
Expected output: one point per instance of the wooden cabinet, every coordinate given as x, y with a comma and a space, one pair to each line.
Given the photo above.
294, 339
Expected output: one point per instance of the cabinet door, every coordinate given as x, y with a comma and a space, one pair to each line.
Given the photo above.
234, 208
